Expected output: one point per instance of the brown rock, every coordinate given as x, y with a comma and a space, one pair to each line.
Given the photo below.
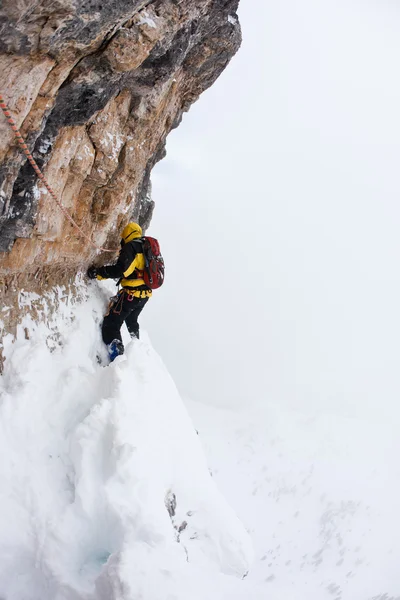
95, 92
20, 81
127, 50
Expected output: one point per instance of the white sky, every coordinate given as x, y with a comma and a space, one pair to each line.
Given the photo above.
278, 211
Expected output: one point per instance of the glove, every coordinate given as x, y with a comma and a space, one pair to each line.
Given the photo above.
92, 272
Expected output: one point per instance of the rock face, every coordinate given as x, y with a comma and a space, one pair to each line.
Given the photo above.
95, 88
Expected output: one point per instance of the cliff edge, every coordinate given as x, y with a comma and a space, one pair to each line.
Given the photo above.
95, 88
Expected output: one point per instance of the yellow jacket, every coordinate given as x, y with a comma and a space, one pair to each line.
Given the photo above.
130, 264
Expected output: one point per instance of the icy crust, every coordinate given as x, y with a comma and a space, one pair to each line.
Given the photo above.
105, 492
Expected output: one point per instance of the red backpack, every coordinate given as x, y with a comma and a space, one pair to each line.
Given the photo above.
154, 263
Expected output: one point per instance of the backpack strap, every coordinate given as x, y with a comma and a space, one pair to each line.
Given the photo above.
139, 274
146, 261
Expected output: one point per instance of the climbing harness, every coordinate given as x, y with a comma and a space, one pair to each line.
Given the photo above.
40, 175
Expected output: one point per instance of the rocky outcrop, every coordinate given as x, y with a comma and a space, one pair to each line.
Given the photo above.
95, 88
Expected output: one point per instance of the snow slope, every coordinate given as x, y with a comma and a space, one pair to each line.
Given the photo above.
105, 492
320, 495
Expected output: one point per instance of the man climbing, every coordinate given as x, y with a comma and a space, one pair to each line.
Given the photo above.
130, 301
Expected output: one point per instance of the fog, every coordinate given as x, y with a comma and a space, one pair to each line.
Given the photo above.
278, 212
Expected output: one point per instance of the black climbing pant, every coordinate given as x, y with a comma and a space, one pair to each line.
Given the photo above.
124, 307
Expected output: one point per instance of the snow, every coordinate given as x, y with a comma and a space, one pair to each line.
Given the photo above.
106, 493
92, 457
113, 144
319, 495
44, 146
146, 20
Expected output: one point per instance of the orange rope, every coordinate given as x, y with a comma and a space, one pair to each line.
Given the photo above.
39, 173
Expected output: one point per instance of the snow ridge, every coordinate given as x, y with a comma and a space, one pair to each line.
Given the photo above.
94, 461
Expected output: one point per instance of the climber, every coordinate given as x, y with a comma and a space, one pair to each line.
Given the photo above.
129, 302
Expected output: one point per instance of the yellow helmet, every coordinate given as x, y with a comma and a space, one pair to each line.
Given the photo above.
131, 232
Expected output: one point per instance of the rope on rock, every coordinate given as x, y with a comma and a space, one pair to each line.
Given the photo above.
42, 178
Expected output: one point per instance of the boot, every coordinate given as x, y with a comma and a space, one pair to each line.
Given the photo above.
115, 349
